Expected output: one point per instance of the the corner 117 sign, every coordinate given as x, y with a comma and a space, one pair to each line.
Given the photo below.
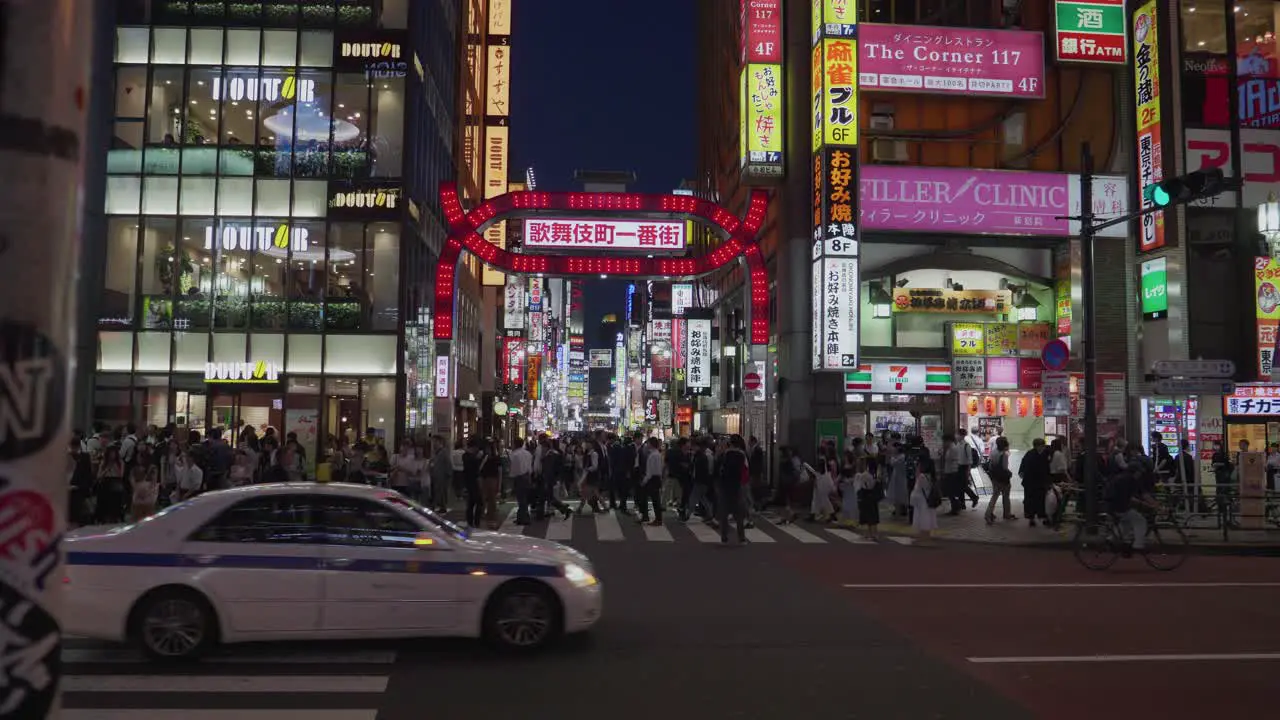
1091, 31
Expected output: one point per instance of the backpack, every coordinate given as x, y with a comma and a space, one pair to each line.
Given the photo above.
934, 497
974, 458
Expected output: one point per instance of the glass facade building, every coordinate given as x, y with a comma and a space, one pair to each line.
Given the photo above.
267, 246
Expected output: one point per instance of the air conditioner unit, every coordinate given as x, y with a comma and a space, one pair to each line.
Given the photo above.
881, 122
889, 151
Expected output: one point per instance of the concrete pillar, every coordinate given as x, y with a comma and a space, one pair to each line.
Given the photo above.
803, 396
44, 83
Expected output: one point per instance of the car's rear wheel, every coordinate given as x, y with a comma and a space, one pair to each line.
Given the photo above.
523, 616
174, 624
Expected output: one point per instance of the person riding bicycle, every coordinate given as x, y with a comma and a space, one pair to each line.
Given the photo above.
1130, 493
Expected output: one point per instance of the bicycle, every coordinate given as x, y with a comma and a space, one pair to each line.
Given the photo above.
1166, 544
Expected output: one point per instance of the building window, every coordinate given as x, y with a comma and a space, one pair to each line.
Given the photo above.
117, 303
388, 127
132, 44
1203, 31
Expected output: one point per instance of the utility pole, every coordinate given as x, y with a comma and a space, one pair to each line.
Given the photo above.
45, 50
1090, 337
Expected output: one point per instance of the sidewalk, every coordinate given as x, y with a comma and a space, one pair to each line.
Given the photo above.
970, 526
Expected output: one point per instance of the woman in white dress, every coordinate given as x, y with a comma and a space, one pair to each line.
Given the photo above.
924, 519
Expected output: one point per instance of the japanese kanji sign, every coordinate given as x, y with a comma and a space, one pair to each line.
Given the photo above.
1253, 400
647, 236
835, 302
963, 61
940, 300
513, 304
839, 91
761, 120
834, 223
1091, 32
698, 355
967, 339
1266, 281
761, 22
1150, 145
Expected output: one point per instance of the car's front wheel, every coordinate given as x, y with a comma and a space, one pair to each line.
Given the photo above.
174, 624
523, 616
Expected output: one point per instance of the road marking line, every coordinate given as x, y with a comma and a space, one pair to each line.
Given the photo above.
851, 536
756, 535
702, 531
608, 529
1053, 586
657, 533
122, 714
126, 655
559, 528
224, 683
800, 534
901, 540
1192, 657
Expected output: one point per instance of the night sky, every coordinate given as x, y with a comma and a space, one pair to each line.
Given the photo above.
604, 86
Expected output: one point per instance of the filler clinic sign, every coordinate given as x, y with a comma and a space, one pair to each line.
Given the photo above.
1146, 78
647, 236
969, 61
983, 202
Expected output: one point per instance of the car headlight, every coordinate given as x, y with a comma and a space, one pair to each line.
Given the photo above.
577, 575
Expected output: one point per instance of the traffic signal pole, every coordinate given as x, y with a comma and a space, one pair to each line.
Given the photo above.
1087, 232
45, 49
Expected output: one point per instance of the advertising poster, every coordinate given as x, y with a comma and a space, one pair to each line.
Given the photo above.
1002, 373
1207, 148
835, 296
698, 355
1150, 147
648, 236
899, 378
306, 423
762, 112
969, 373
1032, 337
1001, 338
960, 61
1154, 288
1266, 286
835, 226
496, 146
967, 339
513, 304
840, 96
987, 202
1092, 31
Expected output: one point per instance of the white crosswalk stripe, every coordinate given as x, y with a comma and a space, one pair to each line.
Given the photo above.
102, 681
657, 533
612, 527
560, 529
608, 529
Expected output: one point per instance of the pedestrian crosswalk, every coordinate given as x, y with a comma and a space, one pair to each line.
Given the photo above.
102, 681
611, 527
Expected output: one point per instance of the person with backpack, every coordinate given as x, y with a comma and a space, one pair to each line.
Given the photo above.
1001, 480
926, 498
970, 458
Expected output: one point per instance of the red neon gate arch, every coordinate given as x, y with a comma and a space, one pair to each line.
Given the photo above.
465, 228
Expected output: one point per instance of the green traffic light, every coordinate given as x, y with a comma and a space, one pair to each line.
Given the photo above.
1160, 196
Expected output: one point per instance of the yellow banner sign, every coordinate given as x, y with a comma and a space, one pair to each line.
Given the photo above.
1001, 338
761, 119
968, 339
840, 91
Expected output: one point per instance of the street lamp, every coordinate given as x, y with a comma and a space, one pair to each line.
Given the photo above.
1028, 307
1269, 224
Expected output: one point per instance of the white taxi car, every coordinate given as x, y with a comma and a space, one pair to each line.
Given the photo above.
300, 561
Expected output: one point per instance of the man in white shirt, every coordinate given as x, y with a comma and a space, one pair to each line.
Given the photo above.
520, 467
650, 489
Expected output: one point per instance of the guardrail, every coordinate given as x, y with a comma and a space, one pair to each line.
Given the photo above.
1223, 509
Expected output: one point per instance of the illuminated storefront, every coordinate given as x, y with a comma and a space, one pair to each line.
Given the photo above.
264, 209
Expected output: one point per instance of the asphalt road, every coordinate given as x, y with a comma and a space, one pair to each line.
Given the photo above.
775, 631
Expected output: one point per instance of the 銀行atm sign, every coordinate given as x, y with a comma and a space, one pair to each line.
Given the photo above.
1091, 31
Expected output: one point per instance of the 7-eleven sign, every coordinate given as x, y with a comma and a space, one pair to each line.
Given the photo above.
899, 378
